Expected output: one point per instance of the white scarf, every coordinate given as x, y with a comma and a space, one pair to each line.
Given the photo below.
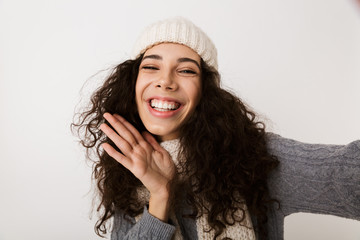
243, 231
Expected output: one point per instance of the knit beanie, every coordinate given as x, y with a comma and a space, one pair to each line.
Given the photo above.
177, 30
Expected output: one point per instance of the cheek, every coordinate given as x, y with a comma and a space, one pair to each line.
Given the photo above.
139, 88
194, 92
143, 81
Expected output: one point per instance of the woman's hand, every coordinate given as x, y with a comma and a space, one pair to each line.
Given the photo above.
144, 157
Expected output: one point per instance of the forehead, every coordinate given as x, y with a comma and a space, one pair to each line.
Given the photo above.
173, 50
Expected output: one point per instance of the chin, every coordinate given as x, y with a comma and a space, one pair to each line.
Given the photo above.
162, 134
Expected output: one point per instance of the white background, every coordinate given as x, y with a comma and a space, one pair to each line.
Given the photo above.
297, 63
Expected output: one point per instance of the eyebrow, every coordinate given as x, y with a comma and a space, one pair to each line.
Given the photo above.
157, 57
180, 60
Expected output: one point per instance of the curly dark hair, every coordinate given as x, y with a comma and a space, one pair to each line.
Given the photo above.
223, 144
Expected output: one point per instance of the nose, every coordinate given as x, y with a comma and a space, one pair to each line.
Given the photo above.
167, 82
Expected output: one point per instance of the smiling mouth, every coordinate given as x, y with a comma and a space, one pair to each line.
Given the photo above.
163, 106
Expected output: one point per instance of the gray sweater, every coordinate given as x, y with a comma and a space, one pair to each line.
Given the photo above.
311, 178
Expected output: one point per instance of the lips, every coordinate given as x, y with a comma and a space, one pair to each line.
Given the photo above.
163, 107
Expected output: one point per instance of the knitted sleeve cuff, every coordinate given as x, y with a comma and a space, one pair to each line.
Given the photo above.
155, 228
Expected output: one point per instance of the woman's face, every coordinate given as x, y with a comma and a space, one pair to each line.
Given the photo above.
168, 88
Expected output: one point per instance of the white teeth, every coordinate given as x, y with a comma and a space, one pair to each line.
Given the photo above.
163, 105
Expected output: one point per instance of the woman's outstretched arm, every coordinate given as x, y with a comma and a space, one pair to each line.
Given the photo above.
316, 178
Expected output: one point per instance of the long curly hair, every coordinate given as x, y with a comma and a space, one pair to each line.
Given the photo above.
223, 147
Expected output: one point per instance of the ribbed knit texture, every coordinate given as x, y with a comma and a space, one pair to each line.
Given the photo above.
177, 30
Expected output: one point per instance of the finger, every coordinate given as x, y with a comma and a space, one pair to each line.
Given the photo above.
122, 144
152, 141
121, 129
130, 127
116, 155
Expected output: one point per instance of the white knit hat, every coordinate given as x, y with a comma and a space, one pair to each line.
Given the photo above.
177, 30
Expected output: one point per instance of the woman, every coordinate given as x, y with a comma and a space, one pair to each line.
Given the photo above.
181, 158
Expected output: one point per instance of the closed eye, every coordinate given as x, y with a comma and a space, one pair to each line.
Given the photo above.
187, 71
150, 68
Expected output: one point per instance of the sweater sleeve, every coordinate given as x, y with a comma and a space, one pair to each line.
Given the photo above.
316, 178
148, 227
